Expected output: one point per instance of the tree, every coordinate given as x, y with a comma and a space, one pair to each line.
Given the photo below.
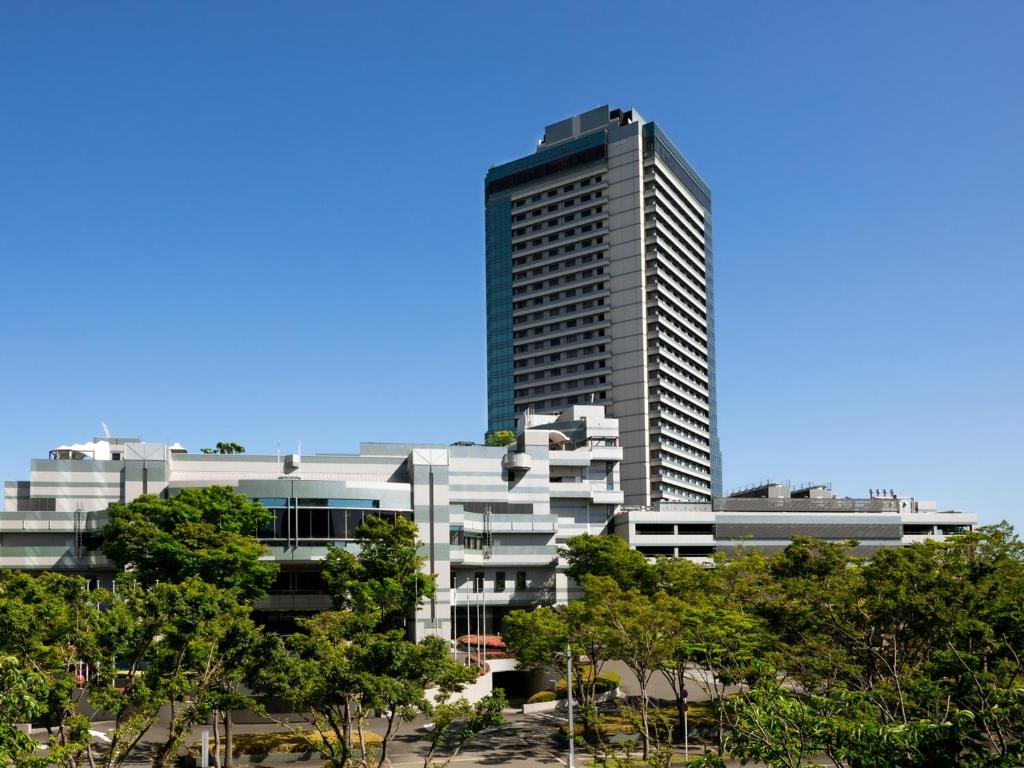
640, 636
459, 721
609, 556
535, 638
18, 704
49, 624
174, 645
384, 582
499, 438
204, 532
315, 672
224, 448
396, 674
538, 640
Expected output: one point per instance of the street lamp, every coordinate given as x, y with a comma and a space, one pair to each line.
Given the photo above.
568, 694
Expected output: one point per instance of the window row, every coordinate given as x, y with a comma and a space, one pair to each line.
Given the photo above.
667, 410
553, 327
568, 309
561, 370
559, 402
556, 190
572, 338
665, 327
551, 298
558, 356
565, 386
572, 277
520, 261
323, 524
561, 235
500, 581
680, 215
554, 221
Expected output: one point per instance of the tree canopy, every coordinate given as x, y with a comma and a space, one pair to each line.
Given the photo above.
208, 533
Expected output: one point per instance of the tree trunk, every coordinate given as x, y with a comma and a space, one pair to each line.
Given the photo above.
646, 730
216, 739
347, 730
229, 757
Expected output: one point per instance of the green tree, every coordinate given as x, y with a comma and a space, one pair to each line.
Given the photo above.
174, 645
538, 639
49, 623
224, 448
640, 636
396, 675
499, 438
609, 556
384, 582
204, 532
18, 704
456, 722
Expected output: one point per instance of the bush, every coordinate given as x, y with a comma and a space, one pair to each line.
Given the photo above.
540, 696
606, 681
280, 743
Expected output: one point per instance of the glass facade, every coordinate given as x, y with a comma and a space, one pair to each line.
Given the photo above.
498, 184
500, 389
318, 519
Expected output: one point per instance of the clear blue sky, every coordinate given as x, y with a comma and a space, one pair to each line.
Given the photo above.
263, 222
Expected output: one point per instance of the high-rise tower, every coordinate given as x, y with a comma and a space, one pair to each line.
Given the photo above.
600, 289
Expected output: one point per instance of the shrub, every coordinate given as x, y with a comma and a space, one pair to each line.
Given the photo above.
606, 681
280, 743
540, 696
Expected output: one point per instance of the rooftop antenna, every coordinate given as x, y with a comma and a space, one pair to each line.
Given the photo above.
106, 429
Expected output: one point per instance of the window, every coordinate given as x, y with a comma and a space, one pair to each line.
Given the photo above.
520, 580
478, 581
499, 581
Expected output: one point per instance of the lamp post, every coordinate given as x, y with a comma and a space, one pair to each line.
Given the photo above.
568, 691
686, 728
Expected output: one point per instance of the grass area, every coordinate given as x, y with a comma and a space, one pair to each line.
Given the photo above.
282, 742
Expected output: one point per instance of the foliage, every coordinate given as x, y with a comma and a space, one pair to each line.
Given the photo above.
280, 743
543, 696
172, 645
604, 682
18, 704
610, 556
499, 438
456, 722
202, 532
350, 663
384, 583
48, 624
224, 448
640, 635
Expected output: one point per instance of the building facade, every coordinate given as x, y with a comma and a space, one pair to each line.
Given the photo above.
490, 519
600, 290
767, 516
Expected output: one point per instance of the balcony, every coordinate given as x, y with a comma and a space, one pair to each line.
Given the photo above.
516, 462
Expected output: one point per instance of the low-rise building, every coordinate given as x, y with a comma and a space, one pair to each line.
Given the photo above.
491, 519
768, 515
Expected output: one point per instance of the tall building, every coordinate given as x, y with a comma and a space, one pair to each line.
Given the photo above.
600, 290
